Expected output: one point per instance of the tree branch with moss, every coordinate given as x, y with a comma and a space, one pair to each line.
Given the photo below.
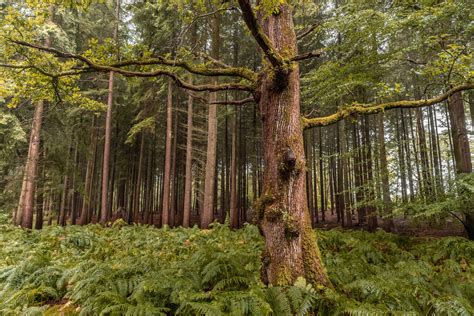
249, 76
365, 109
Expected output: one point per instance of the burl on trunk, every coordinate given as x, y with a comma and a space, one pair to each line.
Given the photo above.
290, 247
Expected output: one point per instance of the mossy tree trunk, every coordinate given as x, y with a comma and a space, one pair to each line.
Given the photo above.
290, 247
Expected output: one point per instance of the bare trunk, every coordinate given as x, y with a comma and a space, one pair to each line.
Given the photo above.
86, 201
189, 161
105, 165
462, 153
387, 208
32, 164
207, 214
167, 176
174, 177
234, 212
138, 187
104, 205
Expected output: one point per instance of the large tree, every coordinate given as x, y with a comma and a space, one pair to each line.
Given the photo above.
290, 247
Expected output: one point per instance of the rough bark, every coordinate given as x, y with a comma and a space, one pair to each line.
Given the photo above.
290, 247
462, 153
31, 169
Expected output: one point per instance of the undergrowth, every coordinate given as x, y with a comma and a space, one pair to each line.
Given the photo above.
139, 270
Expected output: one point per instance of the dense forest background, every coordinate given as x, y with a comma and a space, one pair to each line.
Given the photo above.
401, 161
93, 131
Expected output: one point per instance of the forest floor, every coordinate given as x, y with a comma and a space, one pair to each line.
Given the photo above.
140, 270
405, 227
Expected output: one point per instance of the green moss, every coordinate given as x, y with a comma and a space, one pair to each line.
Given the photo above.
273, 213
261, 203
284, 276
315, 272
292, 227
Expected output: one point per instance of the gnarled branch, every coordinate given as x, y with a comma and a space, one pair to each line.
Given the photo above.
117, 67
193, 68
263, 41
364, 109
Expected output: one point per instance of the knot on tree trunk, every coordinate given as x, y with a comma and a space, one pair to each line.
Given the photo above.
281, 79
288, 163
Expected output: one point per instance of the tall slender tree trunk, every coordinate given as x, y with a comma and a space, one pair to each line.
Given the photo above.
106, 158
189, 161
371, 214
290, 247
104, 205
174, 176
18, 212
64, 194
167, 172
31, 169
387, 203
434, 150
138, 187
340, 177
321, 177
234, 212
207, 214
86, 201
40, 194
425, 166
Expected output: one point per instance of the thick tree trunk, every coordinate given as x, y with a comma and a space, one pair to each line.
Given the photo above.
462, 153
290, 247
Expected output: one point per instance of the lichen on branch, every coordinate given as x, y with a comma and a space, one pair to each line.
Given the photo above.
366, 109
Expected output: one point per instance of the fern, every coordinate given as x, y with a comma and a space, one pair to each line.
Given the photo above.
140, 270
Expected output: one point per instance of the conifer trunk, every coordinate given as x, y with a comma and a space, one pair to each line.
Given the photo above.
31, 168
387, 203
189, 160
234, 212
207, 215
167, 171
462, 153
290, 246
